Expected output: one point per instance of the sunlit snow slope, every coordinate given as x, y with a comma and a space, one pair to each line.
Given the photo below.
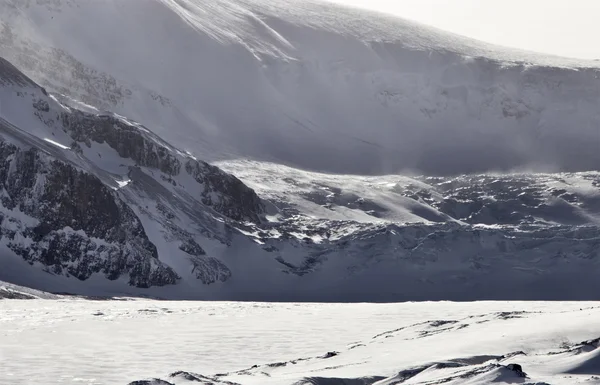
311, 85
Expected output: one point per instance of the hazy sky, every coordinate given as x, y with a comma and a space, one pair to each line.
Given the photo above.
561, 27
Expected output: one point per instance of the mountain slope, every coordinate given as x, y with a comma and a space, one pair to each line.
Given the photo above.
96, 202
77, 188
311, 85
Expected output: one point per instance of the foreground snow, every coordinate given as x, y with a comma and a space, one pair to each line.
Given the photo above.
117, 342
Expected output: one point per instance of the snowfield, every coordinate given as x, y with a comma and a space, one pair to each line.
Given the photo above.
76, 341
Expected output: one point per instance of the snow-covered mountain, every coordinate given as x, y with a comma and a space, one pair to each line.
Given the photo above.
311, 85
81, 193
106, 189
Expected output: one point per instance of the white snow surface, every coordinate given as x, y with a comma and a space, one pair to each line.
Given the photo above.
311, 84
70, 341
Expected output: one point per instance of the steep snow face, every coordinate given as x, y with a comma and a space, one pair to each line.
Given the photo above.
311, 85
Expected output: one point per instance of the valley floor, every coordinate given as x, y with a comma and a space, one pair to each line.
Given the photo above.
77, 341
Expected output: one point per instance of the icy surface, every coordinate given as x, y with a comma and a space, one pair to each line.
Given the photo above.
118, 342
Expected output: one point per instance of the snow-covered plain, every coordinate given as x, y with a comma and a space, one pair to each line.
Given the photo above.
76, 341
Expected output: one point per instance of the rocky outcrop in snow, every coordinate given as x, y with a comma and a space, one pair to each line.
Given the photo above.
63, 206
74, 224
223, 192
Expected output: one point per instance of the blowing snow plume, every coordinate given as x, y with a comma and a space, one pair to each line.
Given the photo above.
312, 85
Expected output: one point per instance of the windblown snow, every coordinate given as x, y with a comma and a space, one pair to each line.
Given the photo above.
311, 85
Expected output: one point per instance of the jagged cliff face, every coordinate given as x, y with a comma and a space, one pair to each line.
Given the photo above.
72, 204
75, 224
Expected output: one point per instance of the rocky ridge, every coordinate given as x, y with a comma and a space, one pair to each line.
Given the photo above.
65, 210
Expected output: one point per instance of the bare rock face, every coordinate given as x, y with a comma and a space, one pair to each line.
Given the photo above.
73, 224
61, 209
126, 139
225, 193
210, 270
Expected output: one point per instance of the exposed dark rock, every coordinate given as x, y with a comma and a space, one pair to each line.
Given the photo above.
41, 105
517, 369
192, 247
188, 376
221, 191
154, 381
439, 323
79, 226
339, 381
225, 193
513, 354
127, 140
194, 377
277, 365
210, 270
